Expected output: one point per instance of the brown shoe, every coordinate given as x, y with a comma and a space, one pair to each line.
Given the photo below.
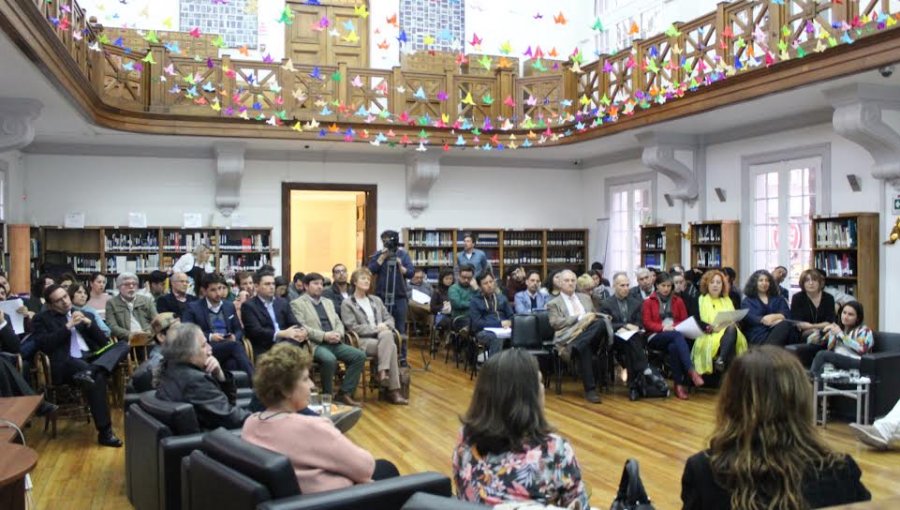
395, 398
344, 398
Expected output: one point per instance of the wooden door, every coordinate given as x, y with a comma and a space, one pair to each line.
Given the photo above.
306, 42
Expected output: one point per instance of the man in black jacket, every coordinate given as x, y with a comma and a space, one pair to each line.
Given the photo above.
192, 375
177, 300
624, 308
72, 341
218, 319
268, 318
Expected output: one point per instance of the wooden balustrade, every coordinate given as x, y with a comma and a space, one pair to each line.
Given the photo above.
651, 70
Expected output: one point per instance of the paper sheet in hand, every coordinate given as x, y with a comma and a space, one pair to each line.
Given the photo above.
9, 310
625, 334
689, 328
420, 297
500, 332
728, 318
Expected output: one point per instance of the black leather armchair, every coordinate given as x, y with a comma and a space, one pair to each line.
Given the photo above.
525, 335
229, 473
547, 335
425, 501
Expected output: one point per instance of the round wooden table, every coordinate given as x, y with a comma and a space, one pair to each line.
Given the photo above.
18, 460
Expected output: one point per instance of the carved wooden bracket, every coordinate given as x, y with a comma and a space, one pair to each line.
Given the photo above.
857, 117
659, 155
229, 174
422, 171
17, 118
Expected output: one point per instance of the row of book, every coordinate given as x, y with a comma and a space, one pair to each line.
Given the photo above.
838, 265
83, 264
482, 239
431, 257
132, 241
654, 241
425, 238
177, 241
532, 261
836, 234
709, 257
256, 242
565, 239
229, 263
523, 239
707, 234
132, 264
657, 260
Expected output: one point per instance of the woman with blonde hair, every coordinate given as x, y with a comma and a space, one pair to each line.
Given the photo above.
367, 316
766, 453
714, 350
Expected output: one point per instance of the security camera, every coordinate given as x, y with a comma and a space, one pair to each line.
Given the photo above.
886, 71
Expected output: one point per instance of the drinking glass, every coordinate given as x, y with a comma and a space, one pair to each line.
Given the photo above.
326, 404
315, 402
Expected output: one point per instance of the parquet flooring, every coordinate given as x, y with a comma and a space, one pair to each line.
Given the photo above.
73, 472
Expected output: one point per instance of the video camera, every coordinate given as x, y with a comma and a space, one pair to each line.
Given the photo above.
391, 241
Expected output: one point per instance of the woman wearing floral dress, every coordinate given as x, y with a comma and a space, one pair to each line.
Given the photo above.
507, 451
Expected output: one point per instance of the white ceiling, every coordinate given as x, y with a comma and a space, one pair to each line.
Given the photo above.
62, 129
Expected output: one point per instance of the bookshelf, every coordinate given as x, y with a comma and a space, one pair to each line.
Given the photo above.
715, 244
431, 250
487, 240
846, 248
78, 249
4, 260
524, 248
566, 249
244, 249
660, 245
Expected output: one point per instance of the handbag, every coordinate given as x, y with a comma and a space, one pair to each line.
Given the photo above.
631, 495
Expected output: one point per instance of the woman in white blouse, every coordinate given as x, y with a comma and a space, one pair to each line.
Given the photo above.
199, 258
366, 316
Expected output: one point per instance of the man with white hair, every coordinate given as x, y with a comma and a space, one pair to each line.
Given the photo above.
579, 330
644, 288
129, 313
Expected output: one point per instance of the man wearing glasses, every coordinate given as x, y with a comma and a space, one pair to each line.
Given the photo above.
129, 313
339, 289
79, 353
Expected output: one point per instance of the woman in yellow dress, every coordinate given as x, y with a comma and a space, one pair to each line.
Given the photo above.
714, 350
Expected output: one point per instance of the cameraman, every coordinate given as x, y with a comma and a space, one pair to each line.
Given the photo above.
390, 239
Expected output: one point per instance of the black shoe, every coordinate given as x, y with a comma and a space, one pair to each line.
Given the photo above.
592, 396
46, 409
719, 365
84, 379
634, 394
108, 438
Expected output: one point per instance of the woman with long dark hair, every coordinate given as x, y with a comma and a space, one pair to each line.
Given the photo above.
844, 341
767, 312
507, 451
766, 453
440, 299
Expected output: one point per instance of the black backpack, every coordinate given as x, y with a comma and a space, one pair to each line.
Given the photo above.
652, 384
631, 494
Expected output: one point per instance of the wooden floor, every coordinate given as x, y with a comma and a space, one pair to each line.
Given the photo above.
73, 472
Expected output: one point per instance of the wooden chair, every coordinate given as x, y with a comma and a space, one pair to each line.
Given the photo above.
248, 346
68, 397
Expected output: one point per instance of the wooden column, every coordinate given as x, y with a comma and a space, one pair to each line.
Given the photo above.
19, 258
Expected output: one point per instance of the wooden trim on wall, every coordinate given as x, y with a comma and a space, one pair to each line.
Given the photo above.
371, 191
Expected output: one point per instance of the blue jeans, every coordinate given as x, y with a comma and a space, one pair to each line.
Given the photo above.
679, 353
232, 356
493, 344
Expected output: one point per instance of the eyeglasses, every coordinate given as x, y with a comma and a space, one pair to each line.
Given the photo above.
340, 270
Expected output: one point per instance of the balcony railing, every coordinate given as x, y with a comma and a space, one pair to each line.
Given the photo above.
737, 37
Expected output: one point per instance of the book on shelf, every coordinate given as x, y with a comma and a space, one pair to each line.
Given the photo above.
132, 263
836, 234
522, 239
233, 263
428, 238
708, 233
132, 241
253, 242
565, 239
483, 240
185, 242
657, 260
655, 240
83, 264
709, 257
837, 265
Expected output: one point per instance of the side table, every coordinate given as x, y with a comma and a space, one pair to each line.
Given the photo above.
854, 386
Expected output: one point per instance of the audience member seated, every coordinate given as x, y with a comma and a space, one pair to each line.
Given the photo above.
766, 312
69, 338
156, 285
281, 287
624, 311
190, 373
584, 285
324, 459
296, 289
813, 309
882, 432
679, 288
553, 281
378, 265
218, 320
844, 342
418, 313
366, 316
644, 288
597, 269
661, 312
489, 309
25, 345
440, 300
339, 290
129, 313
35, 303
98, 298
533, 298
246, 290
779, 275
66, 280
602, 291
326, 331
12, 384
268, 318
717, 347
194, 264
507, 452
461, 294
178, 299
513, 282
689, 287
144, 377
735, 293
579, 331
78, 295
766, 452
471, 256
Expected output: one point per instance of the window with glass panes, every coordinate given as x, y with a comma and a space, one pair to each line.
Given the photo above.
629, 209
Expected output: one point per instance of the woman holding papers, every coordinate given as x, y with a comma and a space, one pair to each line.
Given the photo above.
720, 343
844, 342
662, 312
768, 315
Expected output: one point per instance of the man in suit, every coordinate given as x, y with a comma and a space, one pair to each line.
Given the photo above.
579, 330
644, 288
326, 332
268, 318
218, 319
70, 339
533, 298
129, 312
177, 300
624, 311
